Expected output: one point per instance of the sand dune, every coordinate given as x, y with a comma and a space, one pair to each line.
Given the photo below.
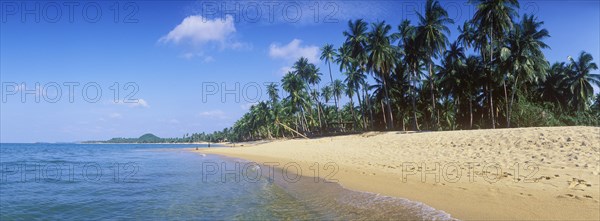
497, 178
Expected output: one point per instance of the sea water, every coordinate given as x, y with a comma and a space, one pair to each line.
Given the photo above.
168, 181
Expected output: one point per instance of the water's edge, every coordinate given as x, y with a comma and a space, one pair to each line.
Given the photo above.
358, 204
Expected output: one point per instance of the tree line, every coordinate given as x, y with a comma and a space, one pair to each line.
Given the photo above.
411, 77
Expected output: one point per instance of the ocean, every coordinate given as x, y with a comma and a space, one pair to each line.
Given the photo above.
170, 182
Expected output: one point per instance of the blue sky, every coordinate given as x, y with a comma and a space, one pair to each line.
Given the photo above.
169, 49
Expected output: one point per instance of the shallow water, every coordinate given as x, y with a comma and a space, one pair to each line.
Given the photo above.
135, 181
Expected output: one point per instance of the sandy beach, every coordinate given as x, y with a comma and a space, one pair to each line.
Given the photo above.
523, 174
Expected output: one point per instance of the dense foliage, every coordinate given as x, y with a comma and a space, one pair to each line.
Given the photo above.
424, 82
412, 78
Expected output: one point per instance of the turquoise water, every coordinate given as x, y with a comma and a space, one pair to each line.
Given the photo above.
134, 181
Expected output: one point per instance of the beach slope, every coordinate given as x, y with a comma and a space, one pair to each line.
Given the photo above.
524, 173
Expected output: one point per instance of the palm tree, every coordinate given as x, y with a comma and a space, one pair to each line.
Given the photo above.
431, 32
523, 57
327, 93
555, 88
471, 77
338, 89
450, 74
381, 59
580, 80
310, 74
273, 92
413, 55
493, 18
353, 82
327, 54
467, 35
295, 87
356, 41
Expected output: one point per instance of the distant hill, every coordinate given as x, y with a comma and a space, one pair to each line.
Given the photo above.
149, 138
146, 138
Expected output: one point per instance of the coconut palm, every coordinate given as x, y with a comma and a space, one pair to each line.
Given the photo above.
353, 82
467, 34
356, 40
327, 93
522, 57
554, 88
295, 87
493, 18
413, 55
451, 81
338, 89
581, 80
327, 54
381, 60
431, 32
273, 92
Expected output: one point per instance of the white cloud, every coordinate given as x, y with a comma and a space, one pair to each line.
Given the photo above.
200, 55
198, 30
247, 106
208, 59
213, 114
140, 103
284, 70
294, 50
115, 115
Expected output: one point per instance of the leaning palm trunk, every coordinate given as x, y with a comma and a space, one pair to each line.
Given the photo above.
390, 123
331, 77
383, 113
512, 97
362, 110
506, 104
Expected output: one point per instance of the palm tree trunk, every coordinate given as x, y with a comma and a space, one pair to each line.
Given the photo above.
470, 113
362, 110
512, 98
491, 102
331, 77
491, 76
368, 102
506, 101
414, 104
353, 114
432, 88
383, 114
319, 114
390, 123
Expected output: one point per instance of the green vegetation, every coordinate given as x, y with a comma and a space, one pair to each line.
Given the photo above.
424, 82
494, 75
151, 138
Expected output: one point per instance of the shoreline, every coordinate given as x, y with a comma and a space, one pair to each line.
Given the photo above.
564, 188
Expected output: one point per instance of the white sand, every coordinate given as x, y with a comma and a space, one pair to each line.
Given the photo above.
566, 186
